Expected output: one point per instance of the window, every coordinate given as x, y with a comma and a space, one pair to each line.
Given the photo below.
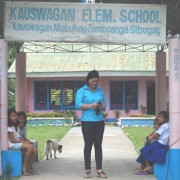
116, 93
41, 95
80, 84
68, 94
56, 95
131, 95
123, 95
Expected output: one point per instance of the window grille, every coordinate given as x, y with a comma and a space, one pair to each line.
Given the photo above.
54, 95
116, 94
80, 84
123, 95
68, 93
40, 95
131, 95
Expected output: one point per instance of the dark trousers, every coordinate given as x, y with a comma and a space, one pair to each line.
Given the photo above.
93, 134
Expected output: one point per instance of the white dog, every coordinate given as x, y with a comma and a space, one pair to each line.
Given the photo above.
50, 145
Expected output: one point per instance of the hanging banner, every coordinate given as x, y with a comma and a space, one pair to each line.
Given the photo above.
85, 22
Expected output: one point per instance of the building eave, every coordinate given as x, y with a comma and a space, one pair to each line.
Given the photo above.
84, 73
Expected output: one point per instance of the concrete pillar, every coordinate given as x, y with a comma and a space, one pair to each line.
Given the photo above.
174, 107
21, 81
160, 79
3, 94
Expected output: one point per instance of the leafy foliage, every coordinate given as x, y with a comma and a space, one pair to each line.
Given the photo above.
141, 115
8, 172
13, 48
54, 114
117, 113
11, 93
143, 109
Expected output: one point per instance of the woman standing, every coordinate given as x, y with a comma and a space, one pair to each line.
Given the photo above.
90, 99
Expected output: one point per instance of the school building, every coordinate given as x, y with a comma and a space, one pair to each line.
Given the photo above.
55, 71
48, 76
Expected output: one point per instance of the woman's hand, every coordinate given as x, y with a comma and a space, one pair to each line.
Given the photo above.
97, 105
145, 143
94, 105
100, 105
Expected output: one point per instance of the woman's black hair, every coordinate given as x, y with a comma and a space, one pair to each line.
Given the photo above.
92, 74
22, 113
165, 114
10, 123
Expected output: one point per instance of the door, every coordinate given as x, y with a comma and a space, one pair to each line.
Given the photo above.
150, 86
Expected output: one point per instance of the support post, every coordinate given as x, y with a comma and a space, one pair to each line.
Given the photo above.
21, 81
4, 94
174, 108
160, 79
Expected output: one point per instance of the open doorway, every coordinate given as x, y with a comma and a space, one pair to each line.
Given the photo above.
150, 87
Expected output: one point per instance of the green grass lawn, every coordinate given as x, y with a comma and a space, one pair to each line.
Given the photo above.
43, 133
137, 135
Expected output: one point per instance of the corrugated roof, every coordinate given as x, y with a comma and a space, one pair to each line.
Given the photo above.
46, 63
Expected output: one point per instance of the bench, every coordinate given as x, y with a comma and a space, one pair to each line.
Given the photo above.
169, 170
161, 170
11, 161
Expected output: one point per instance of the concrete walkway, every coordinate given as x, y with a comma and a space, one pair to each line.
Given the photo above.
118, 158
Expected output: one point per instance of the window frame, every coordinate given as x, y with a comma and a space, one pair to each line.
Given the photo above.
62, 106
35, 98
124, 94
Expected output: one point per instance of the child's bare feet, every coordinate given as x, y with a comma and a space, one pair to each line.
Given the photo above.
147, 168
143, 166
25, 173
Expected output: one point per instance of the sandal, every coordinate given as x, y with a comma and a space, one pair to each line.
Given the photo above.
101, 174
33, 171
87, 174
142, 173
27, 174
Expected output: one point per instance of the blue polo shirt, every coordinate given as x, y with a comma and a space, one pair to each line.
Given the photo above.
86, 96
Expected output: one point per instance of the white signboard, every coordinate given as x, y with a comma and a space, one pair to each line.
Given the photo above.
88, 23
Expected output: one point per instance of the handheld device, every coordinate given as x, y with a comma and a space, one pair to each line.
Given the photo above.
98, 109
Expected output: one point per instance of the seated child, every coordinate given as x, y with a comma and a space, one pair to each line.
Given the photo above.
22, 119
156, 126
16, 143
155, 152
